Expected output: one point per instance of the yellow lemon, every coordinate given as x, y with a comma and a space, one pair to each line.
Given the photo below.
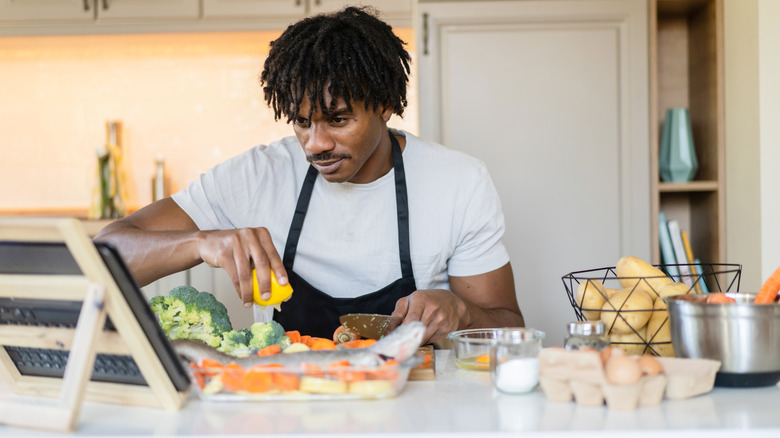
278, 293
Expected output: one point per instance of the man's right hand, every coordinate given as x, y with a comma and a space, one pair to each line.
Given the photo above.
238, 252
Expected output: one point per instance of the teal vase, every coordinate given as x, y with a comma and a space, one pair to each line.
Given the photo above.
677, 157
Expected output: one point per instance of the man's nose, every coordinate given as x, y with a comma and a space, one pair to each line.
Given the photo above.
319, 140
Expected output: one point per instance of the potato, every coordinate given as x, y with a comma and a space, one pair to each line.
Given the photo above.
634, 272
631, 343
611, 292
672, 289
591, 294
625, 310
659, 334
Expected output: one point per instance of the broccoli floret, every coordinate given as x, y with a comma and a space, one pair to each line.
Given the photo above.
205, 301
265, 334
187, 313
170, 311
184, 293
235, 341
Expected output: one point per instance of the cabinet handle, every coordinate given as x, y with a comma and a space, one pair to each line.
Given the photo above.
297, 2
86, 5
105, 5
425, 33
317, 2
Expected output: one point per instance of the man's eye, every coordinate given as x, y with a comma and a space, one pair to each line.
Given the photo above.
338, 120
301, 121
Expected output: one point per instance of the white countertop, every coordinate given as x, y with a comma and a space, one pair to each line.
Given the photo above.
458, 401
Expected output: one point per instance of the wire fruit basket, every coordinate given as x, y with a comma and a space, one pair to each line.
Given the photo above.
633, 309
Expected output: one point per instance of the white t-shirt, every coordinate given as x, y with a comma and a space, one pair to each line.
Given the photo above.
349, 242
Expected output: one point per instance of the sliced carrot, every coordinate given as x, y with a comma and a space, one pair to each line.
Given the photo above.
306, 340
358, 343
312, 370
286, 381
232, 374
256, 380
294, 335
209, 363
719, 298
768, 292
322, 344
270, 350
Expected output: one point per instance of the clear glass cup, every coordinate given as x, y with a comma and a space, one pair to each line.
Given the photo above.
514, 365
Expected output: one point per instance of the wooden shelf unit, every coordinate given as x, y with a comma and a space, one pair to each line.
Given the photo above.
686, 70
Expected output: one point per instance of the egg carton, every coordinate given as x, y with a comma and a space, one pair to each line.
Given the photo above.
580, 376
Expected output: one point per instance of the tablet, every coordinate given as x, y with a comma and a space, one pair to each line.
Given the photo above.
43, 258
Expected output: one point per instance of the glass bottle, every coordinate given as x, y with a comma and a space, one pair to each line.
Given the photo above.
586, 334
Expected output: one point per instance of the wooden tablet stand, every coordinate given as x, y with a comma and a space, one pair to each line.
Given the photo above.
54, 403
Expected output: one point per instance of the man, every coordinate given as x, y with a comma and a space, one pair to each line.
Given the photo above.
367, 219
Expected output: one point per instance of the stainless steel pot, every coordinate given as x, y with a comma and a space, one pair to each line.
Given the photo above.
744, 336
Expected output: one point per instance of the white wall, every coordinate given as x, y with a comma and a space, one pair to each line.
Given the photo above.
752, 112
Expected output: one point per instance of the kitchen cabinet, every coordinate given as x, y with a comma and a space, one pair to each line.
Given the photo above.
686, 65
553, 97
50, 17
91, 11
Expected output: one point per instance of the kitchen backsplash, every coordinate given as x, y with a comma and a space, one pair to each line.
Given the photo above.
193, 99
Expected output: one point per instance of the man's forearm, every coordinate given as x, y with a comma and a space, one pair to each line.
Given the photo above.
498, 317
151, 255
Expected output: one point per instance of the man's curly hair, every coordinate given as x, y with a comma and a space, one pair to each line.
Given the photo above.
352, 52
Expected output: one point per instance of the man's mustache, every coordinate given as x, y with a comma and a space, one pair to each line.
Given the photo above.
326, 156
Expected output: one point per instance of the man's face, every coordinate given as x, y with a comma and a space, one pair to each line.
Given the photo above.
345, 145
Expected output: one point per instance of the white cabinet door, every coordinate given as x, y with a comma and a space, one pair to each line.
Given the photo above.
148, 9
395, 12
265, 9
43, 10
553, 96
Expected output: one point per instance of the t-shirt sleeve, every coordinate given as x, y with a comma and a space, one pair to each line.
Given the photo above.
213, 199
480, 248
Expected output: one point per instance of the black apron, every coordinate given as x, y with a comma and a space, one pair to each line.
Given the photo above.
315, 313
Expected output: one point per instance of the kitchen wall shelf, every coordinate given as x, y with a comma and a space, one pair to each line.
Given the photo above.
693, 186
686, 70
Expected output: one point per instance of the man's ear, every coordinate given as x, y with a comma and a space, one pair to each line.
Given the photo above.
387, 112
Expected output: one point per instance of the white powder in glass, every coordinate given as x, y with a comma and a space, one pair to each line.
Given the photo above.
517, 375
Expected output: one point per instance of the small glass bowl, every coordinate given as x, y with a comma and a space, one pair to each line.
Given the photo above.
472, 347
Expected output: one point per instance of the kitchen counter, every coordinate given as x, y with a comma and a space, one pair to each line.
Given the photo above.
458, 401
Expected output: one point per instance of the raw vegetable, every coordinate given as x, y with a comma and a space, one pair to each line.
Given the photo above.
344, 334
634, 272
719, 298
591, 295
235, 341
768, 292
187, 313
267, 333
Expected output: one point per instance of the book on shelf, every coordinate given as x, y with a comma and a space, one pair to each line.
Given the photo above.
679, 251
691, 260
667, 251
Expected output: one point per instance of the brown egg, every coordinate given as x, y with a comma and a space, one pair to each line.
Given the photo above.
649, 365
622, 370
